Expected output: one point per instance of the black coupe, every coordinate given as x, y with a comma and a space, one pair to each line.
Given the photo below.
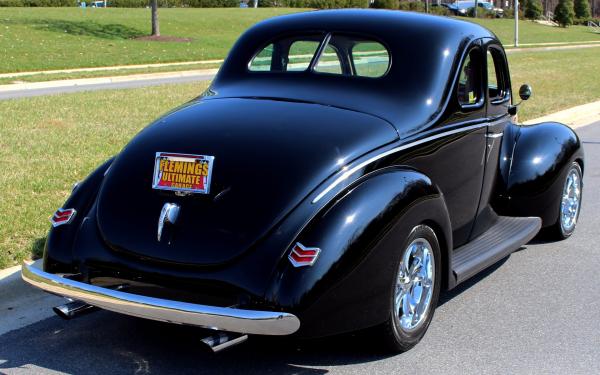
343, 168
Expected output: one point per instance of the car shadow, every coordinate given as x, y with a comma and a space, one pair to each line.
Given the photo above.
106, 342
467, 284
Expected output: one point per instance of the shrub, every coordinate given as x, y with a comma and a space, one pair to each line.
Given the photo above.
124, 3
584, 21
564, 13
440, 11
318, 4
37, 3
533, 9
481, 13
415, 6
385, 4
582, 9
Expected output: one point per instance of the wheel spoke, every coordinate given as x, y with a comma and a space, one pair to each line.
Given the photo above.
416, 266
398, 299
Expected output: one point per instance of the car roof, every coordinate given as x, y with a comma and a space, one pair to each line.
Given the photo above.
424, 50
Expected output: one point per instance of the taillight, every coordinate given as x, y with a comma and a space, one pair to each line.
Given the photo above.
63, 216
301, 256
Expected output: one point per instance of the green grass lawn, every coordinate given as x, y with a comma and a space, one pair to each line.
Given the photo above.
560, 79
532, 32
57, 38
47, 143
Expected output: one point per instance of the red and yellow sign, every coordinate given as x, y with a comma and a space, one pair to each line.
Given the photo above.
182, 172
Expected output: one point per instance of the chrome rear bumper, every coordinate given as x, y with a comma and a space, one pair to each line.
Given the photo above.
214, 317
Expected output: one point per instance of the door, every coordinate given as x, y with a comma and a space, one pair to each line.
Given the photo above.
498, 100
456, 162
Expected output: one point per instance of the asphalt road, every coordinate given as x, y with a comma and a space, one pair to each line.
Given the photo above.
537, 311
103, 86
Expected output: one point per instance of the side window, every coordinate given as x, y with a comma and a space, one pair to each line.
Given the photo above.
291, 54
300, 55
496, 84
329, 62
469, 82
262, 61
350, 55
370, 59
492, 76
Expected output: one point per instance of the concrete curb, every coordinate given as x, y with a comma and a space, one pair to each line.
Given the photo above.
579, 43
108, 68
104, 80
21, 304
574, 117
555, 48
7, 275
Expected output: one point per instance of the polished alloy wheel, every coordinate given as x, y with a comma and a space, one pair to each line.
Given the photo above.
414, 285
571, 201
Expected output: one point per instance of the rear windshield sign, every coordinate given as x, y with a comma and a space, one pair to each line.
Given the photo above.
182, 172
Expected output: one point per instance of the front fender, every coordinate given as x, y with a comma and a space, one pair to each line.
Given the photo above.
540, 160
360, 235
58, 258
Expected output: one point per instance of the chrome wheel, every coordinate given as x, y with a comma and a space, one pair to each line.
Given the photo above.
571, 201
414, 285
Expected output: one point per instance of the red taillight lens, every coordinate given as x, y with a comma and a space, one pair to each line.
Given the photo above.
63, 216
301, 256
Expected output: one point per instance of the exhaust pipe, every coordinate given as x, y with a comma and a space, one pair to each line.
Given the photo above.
222, 340
73, 309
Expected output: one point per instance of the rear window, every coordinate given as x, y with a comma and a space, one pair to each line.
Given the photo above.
335, 54
370, 59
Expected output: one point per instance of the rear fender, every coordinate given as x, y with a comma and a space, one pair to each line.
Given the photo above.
58, 256
360, 235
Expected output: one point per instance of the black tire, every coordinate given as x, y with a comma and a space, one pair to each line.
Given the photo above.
557, 231
390, 334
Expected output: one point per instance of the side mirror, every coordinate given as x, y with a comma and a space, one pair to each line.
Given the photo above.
525, 92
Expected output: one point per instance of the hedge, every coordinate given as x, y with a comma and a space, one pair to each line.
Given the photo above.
319, 4
125, 3
175, 3
37, 3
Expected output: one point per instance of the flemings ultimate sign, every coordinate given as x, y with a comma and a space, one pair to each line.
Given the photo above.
182, 172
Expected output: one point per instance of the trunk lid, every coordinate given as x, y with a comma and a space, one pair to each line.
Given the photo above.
268, 156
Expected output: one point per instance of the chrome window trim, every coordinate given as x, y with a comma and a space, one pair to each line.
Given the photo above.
494, 135
374, 158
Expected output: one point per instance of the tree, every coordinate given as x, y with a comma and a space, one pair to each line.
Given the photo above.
533, 9
564, 13
155, 28
582, 9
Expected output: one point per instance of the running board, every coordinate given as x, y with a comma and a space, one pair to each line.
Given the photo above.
504, 237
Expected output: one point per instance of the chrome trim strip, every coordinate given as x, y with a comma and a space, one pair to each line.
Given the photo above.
353, 170
214, 317
494, 135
